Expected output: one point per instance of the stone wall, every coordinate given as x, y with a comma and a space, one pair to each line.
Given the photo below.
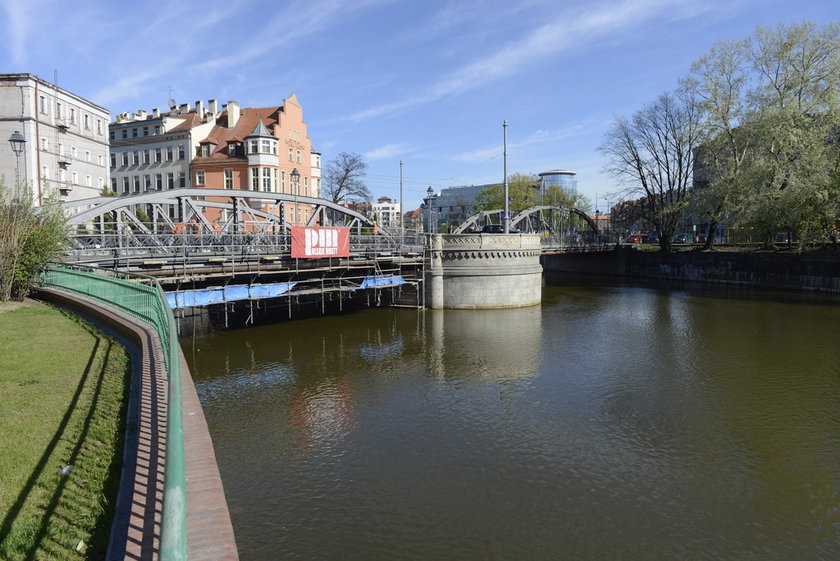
479, 271
798, 271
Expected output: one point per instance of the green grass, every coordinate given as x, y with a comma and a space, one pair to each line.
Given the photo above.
63, 386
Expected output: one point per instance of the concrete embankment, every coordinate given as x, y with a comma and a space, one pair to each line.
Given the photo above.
817, 272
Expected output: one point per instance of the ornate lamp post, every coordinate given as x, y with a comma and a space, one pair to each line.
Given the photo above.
295, 186
18, 142
430, 195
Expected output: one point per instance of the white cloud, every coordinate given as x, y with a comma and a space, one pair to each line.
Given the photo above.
387, 151
565, 31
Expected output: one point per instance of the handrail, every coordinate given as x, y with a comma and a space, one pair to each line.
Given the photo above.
141, 297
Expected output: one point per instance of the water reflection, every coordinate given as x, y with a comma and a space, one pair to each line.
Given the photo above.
613, 422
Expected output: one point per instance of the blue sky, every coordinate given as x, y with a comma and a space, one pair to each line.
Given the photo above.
427, 82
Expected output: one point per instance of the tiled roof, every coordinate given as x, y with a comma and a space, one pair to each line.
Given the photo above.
249, 121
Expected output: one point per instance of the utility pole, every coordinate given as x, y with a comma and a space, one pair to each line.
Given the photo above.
402, 224
507, 202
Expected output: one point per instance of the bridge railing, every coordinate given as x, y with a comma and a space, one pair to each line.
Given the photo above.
141, 297
115, 246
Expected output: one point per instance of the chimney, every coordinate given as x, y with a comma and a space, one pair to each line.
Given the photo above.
199, 109
212, 106
233, 113
155, 113
141, 114
185, 108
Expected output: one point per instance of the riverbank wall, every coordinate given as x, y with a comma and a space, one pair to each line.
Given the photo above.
814, 272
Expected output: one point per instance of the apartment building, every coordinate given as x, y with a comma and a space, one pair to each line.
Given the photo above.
153, 151
386, 211
65, 152
260, 149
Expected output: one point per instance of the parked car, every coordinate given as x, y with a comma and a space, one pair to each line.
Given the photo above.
635, 238
685, 237
653, 237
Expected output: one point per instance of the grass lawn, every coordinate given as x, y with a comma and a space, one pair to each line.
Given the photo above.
63, 386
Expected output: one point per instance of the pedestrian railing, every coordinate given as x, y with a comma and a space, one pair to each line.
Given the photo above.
141, 297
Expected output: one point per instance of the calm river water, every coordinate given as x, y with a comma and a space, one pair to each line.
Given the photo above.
612, 422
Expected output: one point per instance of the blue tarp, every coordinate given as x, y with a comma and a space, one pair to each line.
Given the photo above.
231, 293
384, 280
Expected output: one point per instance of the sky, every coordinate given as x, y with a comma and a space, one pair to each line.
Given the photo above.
425, 82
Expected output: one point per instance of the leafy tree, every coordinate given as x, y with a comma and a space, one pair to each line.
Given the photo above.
556, 196
30, 237
522, 192
343, 179
652, 155
770, 114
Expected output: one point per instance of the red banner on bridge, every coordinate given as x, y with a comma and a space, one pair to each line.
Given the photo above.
316, 242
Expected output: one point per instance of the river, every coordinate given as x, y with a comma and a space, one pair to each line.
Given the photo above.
611, 422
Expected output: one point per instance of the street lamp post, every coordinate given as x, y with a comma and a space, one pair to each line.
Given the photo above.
430, 194
295, 185
18, 142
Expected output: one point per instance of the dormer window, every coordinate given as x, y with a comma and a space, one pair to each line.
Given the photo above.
205, 150
231, 149
253, 146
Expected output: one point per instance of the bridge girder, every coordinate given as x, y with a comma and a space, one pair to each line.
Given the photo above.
527, 214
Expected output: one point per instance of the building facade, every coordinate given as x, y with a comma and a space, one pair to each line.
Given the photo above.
386, 211
261, 149
558, 178
152, 151
66, 149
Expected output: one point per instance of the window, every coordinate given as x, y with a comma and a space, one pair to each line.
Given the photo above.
111, 135
126, 186
205, 150
45, 172
199, 177
73, 152
62, 175
72, 115
75, 177
168, 153
45, 144
146, 156
158, 181
101, 183
125, 158
291, 154
125, 133
135, 157
182, 180
88, 181
99, 126
170, 180
43, 103
297, 157
87, 122
58, 109
282, 181
147, 182
133, 133
136, 183
114, 184
158, 155
145, 131
255, 178
266, 179
232, 149
181, 153
274, 179
228, 179
157, 130
253, 146
87, 155
266, 146
99, 159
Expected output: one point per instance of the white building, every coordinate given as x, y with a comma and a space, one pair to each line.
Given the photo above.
66, 149
386, 212
153, 151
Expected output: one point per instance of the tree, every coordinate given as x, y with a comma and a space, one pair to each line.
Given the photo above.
770, 112
652, 154
557, 196
30, 237
343, 179
522, 192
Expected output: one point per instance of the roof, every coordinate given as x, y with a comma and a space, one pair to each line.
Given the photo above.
251, 120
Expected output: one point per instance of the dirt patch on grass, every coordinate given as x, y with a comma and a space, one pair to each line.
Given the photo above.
25, 303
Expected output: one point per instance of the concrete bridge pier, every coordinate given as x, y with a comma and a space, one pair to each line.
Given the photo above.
483, 271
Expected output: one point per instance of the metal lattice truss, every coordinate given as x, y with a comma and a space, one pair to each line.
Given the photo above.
536, 219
